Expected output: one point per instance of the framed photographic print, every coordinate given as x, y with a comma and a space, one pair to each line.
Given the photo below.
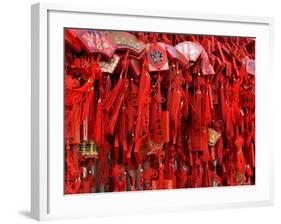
148, 111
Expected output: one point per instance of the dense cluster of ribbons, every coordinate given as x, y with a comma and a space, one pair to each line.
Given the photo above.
147, 111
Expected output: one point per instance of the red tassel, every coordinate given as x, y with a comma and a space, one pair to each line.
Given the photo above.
115, 113
142, 123
241, 163
206, 110
223, 103
102, 168
110, 99
98, 124
185, 111
175, 110
156, 113
87, 113
204, 144
76, 115
220, 151
116, 149
229, 123
165, 126
125, 150
220, 52
194, 177
207, 182
200, 176
198, 104
210, 94
252, 155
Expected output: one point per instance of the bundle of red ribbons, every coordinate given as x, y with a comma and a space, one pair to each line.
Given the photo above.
147, 111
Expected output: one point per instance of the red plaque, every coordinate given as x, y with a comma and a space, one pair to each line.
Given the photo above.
127, 41
71, 39
198, 139
190, 50
109, 65
96, 42
174, 54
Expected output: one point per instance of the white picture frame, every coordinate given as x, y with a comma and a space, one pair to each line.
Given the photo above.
48, 200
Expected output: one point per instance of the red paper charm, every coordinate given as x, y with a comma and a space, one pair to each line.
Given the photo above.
157, 57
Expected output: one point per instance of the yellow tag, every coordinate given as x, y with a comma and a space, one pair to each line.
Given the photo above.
213, 137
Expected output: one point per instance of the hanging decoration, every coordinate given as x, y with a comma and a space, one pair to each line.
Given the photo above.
151, 111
